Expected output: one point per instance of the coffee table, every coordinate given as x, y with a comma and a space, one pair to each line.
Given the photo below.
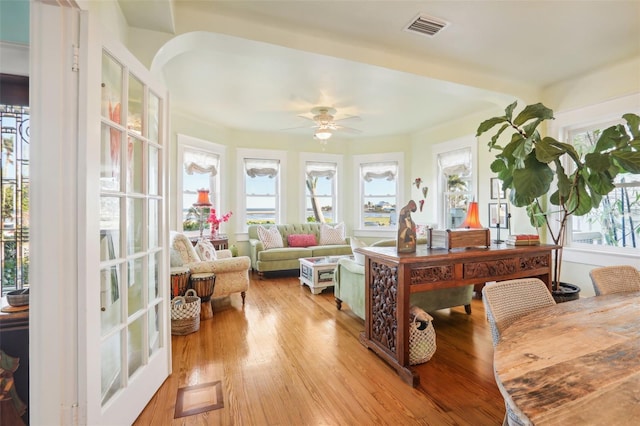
317, 272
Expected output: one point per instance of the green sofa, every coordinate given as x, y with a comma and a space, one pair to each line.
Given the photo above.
286, 258
348, 280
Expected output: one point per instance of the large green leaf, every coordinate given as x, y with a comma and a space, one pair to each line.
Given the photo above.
498, 165
580, 202
609, 139
523, 149
494, 138
600, 183
538, 111
536, 216
629, 161
508, 111
547, 151
597, 162
508, 151
530, 129
488, 124
596, 199
534, 179
633, 122
568, 148
564, 183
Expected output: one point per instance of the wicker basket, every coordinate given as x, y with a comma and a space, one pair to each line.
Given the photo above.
185, 313
422, 337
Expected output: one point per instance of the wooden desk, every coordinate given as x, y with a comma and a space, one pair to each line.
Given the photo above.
391, 277
575, 363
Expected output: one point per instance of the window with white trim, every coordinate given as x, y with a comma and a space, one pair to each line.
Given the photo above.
455, 174
199, 167
380, 190
616, 222
320, 191
581, 246
261, 173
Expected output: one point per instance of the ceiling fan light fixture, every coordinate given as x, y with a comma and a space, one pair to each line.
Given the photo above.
322, 134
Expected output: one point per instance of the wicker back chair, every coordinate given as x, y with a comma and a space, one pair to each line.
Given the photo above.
615, 279
506, 301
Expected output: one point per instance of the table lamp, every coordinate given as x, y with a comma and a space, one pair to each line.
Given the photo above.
200, 204
472, 221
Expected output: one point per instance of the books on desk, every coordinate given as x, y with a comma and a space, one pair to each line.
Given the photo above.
523, 240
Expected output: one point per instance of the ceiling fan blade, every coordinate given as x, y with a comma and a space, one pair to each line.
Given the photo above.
301, 127
347, 129
349, 117
306, 117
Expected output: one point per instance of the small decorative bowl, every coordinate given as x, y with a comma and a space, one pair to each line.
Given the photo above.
18, 297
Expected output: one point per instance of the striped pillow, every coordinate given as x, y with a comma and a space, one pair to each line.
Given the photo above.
270, 237
332, 235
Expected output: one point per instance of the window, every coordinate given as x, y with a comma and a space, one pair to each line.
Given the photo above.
380, 190
263, 193
455, 174
607, 235
320, 191
14, 175
199, 167
616, 222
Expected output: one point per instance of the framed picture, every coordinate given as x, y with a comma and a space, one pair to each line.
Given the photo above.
499, 218
496, 190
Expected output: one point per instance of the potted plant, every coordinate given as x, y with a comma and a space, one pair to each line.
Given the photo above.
529, 164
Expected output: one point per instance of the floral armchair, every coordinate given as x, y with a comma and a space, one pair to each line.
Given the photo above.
232, 273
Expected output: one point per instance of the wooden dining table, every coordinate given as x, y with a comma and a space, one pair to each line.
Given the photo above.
575, 363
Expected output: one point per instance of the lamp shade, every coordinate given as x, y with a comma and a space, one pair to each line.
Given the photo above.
473, 217
203, 198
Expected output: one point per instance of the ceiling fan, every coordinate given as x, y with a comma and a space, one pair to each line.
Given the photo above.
325, 123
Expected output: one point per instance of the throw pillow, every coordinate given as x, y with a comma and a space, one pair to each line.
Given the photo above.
332, 235
302, 240
356, 243
205, 250
270, 237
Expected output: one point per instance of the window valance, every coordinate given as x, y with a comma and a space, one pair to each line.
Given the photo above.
326, 170
201, 163
261, 167
385, 170
456, 162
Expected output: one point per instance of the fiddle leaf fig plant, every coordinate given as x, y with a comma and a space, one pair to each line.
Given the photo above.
533, 166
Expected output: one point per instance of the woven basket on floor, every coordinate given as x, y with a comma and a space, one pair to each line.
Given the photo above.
422, 343
185, 313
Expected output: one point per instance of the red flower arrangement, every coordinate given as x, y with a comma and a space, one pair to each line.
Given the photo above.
215, 220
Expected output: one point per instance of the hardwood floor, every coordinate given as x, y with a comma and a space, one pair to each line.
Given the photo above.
291, 358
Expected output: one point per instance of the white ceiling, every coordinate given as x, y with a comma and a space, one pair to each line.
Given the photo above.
247, 84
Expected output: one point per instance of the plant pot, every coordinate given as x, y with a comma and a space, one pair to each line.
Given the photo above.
566, 292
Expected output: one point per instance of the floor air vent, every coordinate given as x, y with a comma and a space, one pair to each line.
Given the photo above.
426, 25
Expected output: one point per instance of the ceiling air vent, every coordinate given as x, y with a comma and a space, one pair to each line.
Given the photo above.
426, 25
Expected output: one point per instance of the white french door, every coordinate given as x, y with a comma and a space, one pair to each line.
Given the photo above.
124, 334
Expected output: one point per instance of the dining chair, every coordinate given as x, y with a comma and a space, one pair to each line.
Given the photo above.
615, 279
506, 301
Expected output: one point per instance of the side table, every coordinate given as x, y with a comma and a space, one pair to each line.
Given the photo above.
220, 242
